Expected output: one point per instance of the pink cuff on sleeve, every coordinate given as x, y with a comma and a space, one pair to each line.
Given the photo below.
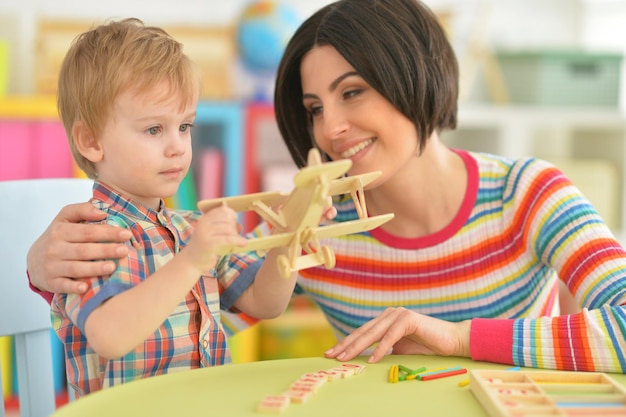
45, 294
491, 340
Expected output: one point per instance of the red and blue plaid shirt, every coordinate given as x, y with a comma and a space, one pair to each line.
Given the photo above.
192, 335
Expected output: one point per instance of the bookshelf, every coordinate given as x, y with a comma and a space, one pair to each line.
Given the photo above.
259, 119
220, 125
32, 140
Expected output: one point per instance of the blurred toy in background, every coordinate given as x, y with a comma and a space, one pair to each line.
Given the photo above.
262, 32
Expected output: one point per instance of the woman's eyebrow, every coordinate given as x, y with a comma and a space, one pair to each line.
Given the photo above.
334, 84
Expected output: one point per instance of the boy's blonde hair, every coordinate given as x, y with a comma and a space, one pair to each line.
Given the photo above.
111, 58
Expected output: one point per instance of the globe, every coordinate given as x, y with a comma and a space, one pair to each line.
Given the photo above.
263, 31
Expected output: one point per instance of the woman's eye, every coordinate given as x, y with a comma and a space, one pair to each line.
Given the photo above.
154, 130
315, 110
351, 93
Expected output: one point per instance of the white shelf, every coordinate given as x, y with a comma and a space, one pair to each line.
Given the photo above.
492, 115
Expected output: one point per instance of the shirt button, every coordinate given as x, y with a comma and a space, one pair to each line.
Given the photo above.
205, 343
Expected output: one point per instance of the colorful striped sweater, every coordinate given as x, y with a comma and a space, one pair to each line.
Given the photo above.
522, 222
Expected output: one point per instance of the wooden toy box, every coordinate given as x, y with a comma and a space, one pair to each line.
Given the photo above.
547, 393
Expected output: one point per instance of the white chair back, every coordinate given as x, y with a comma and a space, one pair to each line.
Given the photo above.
26, 209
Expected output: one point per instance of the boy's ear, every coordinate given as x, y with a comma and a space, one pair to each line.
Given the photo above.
86, 143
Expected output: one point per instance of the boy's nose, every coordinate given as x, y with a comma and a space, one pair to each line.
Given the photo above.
176, 146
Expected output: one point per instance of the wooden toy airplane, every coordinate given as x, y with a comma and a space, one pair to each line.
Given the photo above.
297, 214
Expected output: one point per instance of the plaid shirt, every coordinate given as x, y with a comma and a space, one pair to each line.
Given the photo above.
192, 335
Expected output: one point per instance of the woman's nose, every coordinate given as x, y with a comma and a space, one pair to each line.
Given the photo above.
335, 124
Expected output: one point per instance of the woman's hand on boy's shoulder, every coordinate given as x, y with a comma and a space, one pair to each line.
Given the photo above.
69, 250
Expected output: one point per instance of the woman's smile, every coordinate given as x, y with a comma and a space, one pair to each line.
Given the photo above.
350, 152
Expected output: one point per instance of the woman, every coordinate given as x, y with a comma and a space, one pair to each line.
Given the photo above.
470, 264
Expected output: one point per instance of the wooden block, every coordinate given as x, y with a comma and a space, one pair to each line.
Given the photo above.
274, 404
314, 382
299, 397
303, 386
330, 374
343, 371
356, 367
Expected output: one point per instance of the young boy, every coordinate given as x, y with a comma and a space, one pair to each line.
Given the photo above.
127, 97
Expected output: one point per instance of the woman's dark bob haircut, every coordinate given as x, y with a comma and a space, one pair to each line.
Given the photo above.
397, 46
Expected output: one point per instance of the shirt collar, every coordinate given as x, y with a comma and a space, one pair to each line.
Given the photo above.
121, 203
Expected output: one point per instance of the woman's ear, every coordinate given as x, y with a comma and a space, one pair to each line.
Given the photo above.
86, 143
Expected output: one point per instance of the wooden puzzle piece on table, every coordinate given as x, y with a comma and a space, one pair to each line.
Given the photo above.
305, 387
296, 215
548, 393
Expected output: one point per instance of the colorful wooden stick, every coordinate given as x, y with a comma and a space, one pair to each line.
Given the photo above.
443, 374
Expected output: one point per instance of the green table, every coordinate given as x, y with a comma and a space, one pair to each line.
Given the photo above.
237, 389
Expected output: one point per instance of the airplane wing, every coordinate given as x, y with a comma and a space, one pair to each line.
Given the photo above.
332, 170
352, 226
259, 243
321, 232
244, 202
348, 184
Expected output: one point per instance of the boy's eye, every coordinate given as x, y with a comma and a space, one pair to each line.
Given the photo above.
154, 130
185, 127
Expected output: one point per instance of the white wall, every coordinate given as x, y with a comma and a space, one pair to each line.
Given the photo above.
600, 24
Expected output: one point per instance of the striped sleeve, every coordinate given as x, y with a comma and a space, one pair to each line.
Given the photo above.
567, 234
